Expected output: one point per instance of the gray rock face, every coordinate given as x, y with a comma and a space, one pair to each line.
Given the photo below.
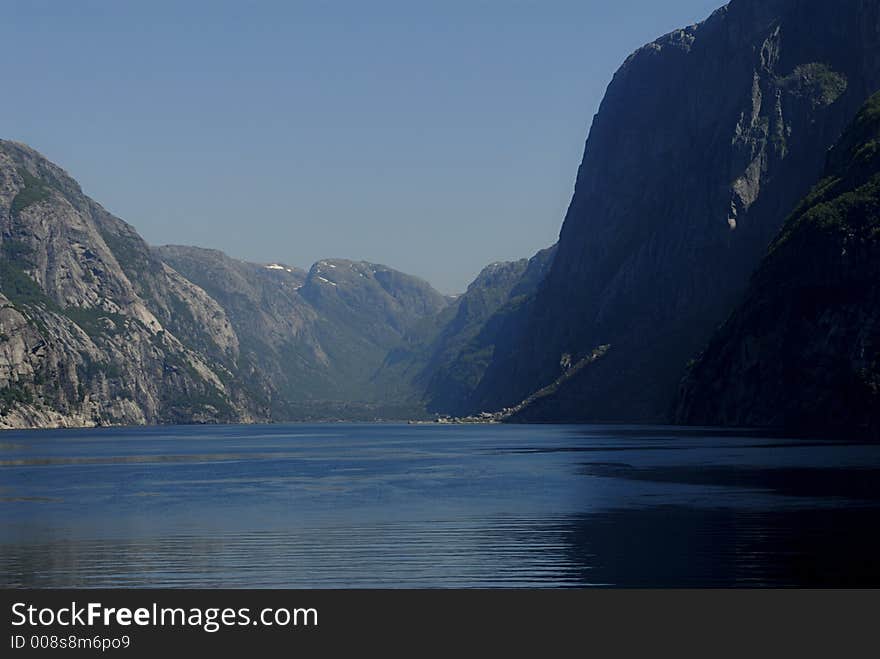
802, 350
704, 142
86, 340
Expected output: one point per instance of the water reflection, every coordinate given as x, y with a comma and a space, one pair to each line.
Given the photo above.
397, 506
464, 553
671, 546
696, 547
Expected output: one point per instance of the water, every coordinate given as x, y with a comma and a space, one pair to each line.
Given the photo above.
434, 506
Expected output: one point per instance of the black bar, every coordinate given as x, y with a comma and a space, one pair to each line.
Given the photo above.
541, 622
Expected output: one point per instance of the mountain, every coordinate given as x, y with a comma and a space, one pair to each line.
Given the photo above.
444, 358
802, 350
317, 336
704, 142
269, 318
93, 328
366, 309
97, 328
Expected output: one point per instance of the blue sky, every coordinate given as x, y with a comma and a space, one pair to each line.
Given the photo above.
435, 137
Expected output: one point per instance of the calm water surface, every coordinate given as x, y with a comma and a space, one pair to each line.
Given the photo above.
407, 506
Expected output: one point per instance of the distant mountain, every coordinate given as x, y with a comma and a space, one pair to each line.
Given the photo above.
444, 358
272, 322
704, 142
365, 310
802, 350
311, 342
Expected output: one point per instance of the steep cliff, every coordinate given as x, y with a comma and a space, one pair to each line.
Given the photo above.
704, 142
802, 350
93, 328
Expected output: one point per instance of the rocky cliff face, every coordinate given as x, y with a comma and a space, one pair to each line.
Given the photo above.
802, 350
705, 140
93, 328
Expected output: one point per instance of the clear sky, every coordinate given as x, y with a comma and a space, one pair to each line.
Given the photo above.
432, 136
